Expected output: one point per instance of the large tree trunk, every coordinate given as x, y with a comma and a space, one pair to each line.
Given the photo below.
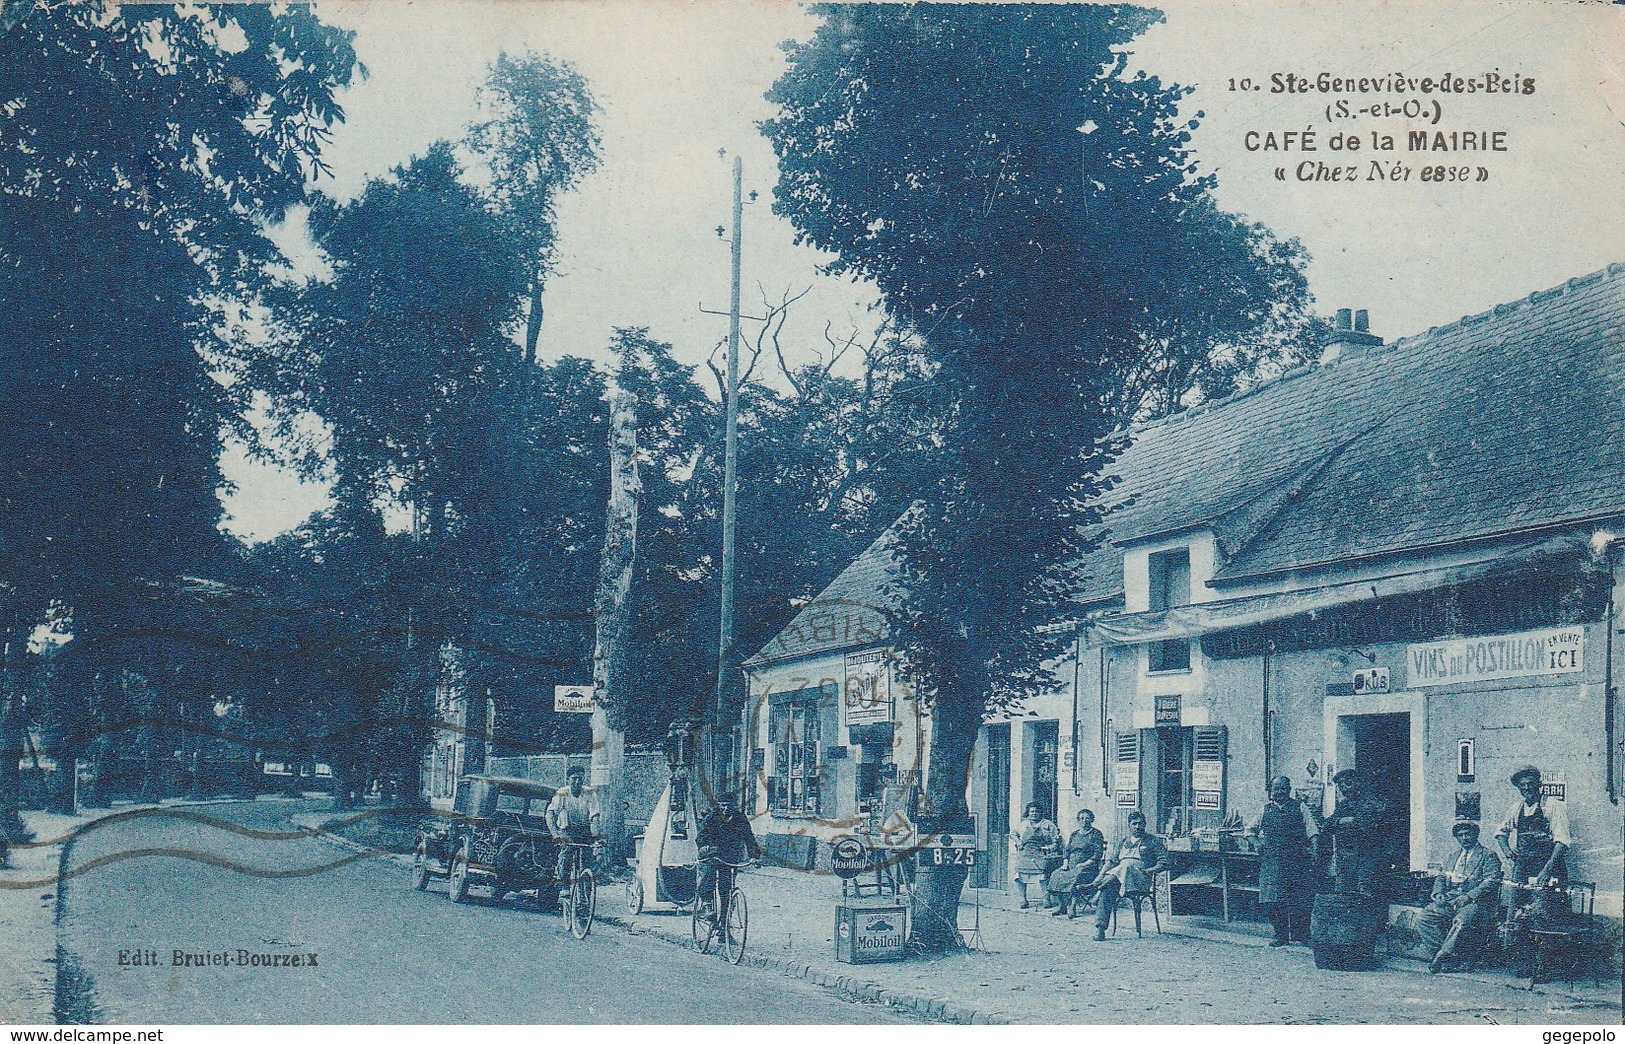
533, 321
612, 605
13, 720
956, 718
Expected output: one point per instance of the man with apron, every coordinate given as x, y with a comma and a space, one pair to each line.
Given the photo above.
1535, 862
1542, 829
1288, 838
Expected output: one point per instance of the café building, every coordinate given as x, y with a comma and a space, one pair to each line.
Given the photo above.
1405, 558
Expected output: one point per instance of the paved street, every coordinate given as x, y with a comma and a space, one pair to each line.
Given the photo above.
389, 954
384, 953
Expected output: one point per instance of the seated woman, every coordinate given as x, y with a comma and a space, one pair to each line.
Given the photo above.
1140, 857
1070, 884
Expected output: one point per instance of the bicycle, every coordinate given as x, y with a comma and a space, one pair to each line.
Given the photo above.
580, 899
735, 918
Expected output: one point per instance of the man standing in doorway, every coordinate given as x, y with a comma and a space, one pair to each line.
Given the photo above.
1289, 840
1357, 825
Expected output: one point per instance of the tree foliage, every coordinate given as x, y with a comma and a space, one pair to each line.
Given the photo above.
538, 140
140, 149
1031, 213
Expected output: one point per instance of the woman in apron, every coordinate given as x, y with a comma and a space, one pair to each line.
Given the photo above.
1035, 843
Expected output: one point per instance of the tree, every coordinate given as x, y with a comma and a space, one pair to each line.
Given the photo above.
425, 409
1032, 214
538, 141
137, 140
402, 356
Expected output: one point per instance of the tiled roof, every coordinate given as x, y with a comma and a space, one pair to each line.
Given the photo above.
1511, 419
849, 613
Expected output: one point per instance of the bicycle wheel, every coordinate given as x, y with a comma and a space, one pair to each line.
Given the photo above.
702, 927
583, 903
736, 924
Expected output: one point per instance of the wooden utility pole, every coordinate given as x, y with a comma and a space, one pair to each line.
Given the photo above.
612, 607
725, 651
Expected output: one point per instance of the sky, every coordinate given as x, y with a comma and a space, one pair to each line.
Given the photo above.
680, 82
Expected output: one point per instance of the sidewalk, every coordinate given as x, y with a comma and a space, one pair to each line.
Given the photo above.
28, 920
28, 907
1037, 968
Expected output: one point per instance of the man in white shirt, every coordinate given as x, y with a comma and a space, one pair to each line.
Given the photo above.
572, 818
1542, 829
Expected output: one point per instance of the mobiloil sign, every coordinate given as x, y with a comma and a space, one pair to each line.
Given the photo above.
870, 934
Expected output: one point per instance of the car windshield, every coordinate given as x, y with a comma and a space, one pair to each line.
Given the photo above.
511, 802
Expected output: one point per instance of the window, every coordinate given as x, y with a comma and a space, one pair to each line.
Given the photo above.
1170, 577
1190, 778
795, 758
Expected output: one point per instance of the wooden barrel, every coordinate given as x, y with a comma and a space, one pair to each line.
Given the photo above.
1344, 928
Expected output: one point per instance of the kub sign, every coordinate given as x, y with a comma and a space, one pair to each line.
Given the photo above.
573, 699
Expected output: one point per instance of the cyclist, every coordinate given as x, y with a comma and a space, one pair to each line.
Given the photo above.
572, 818
725, 838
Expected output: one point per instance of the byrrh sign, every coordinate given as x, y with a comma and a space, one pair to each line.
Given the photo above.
1557, 650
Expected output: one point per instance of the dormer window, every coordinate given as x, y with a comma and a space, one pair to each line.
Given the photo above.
1170, 577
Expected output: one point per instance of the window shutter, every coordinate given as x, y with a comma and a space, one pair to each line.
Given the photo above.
1127, 775
1210, 742
1208, 784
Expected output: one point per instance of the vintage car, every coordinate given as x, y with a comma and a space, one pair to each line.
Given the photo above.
496, 838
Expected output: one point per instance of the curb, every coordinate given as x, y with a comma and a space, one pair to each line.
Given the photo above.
847, 986
313, 822
864, 991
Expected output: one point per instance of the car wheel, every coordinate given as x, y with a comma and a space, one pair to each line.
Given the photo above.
457, 885
634, 896
420, 865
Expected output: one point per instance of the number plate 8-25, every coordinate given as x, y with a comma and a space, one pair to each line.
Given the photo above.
950, 856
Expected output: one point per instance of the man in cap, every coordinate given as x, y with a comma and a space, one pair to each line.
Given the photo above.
1357, 825
1534, 862
1463, 900
725, 842
572, 819
1542, 829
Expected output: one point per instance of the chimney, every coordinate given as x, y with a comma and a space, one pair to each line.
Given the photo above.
1350, 332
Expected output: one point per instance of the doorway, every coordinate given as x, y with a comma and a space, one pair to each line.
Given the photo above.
998, 806
1379, 745
1044, 738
